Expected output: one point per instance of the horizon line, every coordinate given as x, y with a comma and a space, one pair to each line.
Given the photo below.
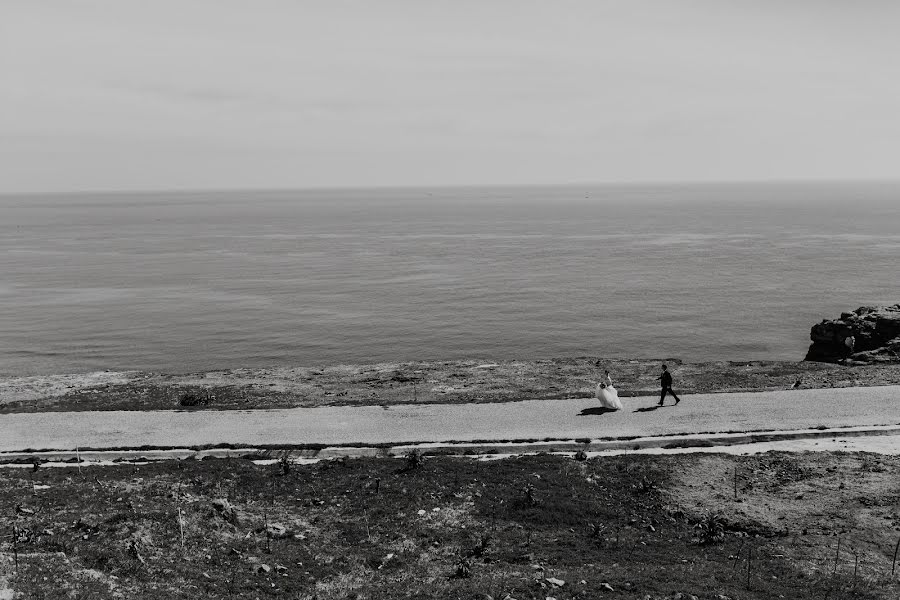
452, 186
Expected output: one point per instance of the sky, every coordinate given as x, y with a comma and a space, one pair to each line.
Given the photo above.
220, 94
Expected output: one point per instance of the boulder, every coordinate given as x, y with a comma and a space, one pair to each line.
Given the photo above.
870, 334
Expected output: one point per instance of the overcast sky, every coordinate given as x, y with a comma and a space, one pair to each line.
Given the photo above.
122, 94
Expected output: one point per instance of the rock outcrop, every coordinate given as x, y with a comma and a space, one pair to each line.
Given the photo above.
869, 334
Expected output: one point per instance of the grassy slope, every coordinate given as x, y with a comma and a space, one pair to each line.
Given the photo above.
419, 382
354, 528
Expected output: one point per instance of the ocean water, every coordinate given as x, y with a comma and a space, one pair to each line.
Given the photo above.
178, 282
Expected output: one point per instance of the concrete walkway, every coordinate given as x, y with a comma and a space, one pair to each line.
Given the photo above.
527, 420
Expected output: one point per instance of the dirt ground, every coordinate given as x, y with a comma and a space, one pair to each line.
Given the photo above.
416, 382
815, 526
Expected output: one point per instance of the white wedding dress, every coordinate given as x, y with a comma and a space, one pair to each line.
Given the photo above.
608, 395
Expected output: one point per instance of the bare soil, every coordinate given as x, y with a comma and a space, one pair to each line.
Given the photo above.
417, 382
532, 527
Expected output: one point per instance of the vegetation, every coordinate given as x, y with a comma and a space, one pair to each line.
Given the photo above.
528, 527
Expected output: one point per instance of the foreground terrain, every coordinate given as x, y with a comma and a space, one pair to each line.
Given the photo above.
775, 525
417, 382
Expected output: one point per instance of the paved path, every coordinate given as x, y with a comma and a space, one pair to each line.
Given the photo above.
531, 419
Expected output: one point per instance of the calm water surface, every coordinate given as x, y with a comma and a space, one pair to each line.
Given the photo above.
194, 281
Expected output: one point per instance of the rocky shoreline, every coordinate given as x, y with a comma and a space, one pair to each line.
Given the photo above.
861, 348
869, 334
445, 382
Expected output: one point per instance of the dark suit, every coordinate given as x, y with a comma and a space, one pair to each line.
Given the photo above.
666, 380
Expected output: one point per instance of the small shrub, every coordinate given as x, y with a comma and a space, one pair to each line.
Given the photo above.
481, 547
22, 535
134, 551
529, 497
463, 569
196, 399
414, 460
645, 486
710, 530
284, 463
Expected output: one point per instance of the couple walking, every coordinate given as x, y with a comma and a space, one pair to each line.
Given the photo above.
609, 396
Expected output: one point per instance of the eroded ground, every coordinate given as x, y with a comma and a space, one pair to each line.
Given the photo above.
525, 528
417, 382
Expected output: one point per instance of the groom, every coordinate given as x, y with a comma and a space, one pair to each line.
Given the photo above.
666, 381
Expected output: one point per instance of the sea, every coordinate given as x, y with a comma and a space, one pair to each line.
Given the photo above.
193, 281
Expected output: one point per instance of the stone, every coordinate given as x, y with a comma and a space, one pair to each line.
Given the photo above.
870, 334
555, 582
262, 568
277, 531
387, 560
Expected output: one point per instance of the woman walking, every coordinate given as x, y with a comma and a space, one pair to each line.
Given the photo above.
608, 395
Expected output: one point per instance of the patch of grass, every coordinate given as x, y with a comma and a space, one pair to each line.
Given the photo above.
455, 528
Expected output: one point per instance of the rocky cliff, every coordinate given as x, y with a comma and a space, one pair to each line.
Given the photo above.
868, 334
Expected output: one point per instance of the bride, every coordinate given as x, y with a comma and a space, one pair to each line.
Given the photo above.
608, 395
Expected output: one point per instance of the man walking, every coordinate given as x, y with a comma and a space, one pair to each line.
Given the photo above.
666, 382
